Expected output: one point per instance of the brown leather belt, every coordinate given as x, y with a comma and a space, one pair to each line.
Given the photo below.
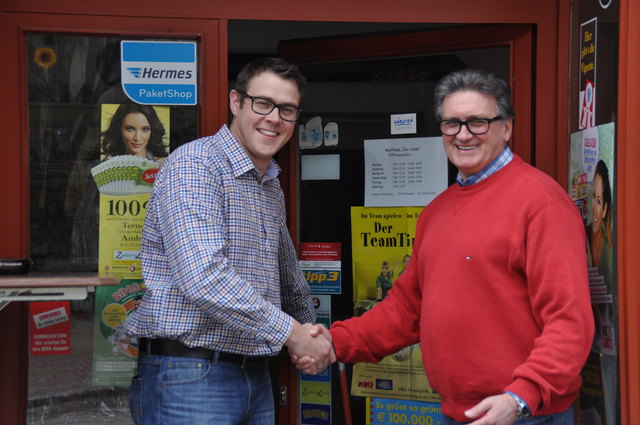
170, 347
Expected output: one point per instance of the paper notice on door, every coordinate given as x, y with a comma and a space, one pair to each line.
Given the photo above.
404, 172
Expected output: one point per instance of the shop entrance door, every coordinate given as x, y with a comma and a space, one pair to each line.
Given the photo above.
355, 85
68, 84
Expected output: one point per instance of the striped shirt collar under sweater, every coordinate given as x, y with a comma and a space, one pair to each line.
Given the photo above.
503, 159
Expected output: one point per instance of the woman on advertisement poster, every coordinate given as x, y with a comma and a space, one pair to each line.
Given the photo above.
600, 229
135, 130
134, 146
599, 234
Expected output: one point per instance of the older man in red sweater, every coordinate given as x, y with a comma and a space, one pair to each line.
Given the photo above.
496, 290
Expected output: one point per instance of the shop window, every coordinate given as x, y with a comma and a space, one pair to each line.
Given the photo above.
73, 86
70, 79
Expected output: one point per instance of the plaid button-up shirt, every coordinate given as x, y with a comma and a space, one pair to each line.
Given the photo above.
220, 268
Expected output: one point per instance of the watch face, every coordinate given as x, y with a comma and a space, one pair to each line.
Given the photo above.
523, 410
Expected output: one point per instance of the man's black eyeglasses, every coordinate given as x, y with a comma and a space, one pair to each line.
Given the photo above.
262, 106
475, 126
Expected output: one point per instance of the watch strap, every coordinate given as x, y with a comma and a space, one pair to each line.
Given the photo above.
522, 409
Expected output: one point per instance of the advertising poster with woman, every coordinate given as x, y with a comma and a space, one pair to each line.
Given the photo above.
134, 129
134, 143
591, 185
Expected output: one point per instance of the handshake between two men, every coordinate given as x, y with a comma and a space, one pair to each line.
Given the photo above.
311, 348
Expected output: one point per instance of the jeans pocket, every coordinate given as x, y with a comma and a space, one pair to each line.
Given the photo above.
187, 371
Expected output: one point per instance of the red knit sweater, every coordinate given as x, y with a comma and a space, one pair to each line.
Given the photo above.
496, 291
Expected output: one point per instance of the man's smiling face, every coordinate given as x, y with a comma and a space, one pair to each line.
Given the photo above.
468, 152
262, 136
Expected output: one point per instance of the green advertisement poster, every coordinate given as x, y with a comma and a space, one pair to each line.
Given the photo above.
114, 352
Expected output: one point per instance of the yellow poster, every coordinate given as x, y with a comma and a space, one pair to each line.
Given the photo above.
382, 239
121, 220
399, 376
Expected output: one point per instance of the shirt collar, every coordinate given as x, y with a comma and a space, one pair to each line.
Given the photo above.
503, 159
239, 158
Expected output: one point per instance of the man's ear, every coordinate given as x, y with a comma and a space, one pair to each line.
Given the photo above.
234, 101
508, 128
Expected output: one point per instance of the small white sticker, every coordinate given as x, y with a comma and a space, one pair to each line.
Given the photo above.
311, 134
403, 124
331, 134
50, 318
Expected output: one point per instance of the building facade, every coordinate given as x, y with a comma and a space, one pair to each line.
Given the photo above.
364, 61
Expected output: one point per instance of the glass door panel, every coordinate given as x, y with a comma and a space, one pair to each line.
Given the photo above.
73, 87
359, 95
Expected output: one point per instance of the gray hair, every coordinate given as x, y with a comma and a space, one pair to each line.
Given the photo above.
478, 81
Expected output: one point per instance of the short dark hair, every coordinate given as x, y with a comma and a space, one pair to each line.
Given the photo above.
478, 81
278, 66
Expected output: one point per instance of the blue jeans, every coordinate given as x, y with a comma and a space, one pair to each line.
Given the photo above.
184, 391
564, 418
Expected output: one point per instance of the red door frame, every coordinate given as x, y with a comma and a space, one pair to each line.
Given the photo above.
519, 39
628, 198
14, 149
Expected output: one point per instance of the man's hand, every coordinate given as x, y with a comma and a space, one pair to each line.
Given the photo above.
310, 347
497, 410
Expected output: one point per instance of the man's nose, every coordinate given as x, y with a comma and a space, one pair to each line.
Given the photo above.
274, 115
464, 132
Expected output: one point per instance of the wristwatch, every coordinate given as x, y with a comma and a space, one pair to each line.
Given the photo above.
522, 410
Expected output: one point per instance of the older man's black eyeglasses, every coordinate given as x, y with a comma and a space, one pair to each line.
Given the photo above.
262, 106
475, 126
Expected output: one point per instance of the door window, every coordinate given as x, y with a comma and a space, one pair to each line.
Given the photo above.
359, 96
73, 89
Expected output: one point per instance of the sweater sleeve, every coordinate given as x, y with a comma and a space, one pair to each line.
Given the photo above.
390, 325
555, 258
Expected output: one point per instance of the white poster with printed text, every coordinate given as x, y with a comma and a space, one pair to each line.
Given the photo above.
408, 172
